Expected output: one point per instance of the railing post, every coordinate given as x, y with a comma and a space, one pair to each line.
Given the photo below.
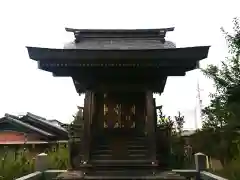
41, 162
200, 163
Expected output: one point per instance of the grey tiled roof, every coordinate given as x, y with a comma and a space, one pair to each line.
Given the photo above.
115, 39
120, 43
44, 121
11, 118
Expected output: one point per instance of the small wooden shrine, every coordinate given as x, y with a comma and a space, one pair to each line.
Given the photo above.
119, 70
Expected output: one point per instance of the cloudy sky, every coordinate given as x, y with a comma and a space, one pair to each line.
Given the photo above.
41, 23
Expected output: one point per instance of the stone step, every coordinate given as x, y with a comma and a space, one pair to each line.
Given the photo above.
114, 175
137, 175
117, 173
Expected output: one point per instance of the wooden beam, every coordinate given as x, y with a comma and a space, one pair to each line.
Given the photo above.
83, 73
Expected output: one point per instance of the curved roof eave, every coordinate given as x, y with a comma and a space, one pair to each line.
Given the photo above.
64, 55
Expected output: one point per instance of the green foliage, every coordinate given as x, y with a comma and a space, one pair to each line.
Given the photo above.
17, 163
175, 125
220, 144
220, 137
78, 118
163, 120
177, 157
231, 170
179, 120
225, 102
58, 157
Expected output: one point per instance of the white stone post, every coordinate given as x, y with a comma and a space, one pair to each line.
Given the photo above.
200, 163
41, 162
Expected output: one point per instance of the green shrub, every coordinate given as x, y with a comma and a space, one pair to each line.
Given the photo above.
231, 170
58, 157
17, 163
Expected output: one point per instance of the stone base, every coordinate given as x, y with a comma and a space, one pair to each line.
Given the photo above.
169, 175
70, 175
79, 175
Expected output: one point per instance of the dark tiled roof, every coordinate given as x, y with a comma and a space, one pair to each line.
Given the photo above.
45, 121
14, 119
123, 43
39, 125
120, 39
47, 125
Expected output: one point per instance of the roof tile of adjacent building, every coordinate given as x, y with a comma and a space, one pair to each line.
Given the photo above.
34, 127
45, 121
14, 119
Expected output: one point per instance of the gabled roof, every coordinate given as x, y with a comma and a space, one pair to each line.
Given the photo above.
43, 123
15, 120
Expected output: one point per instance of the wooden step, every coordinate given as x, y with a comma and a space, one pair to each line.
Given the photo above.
136, 147
101, 151
123, 163
138, 151
110, 157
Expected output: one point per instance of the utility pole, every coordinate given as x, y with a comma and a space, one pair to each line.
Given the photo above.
198, 107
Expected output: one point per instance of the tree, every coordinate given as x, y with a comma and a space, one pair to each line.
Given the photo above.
78, 118
163, 120
225, 102
221, 117
179, 120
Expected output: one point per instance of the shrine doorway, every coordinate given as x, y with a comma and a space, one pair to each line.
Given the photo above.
121, 117
121, 112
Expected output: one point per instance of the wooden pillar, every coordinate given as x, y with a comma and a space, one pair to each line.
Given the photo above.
155, 114
93, 114
151, 124
87, 124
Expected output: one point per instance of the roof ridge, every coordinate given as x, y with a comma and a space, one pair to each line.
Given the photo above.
28, 126
11, 115
36, 116
44, 120
95, 30
118, 33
